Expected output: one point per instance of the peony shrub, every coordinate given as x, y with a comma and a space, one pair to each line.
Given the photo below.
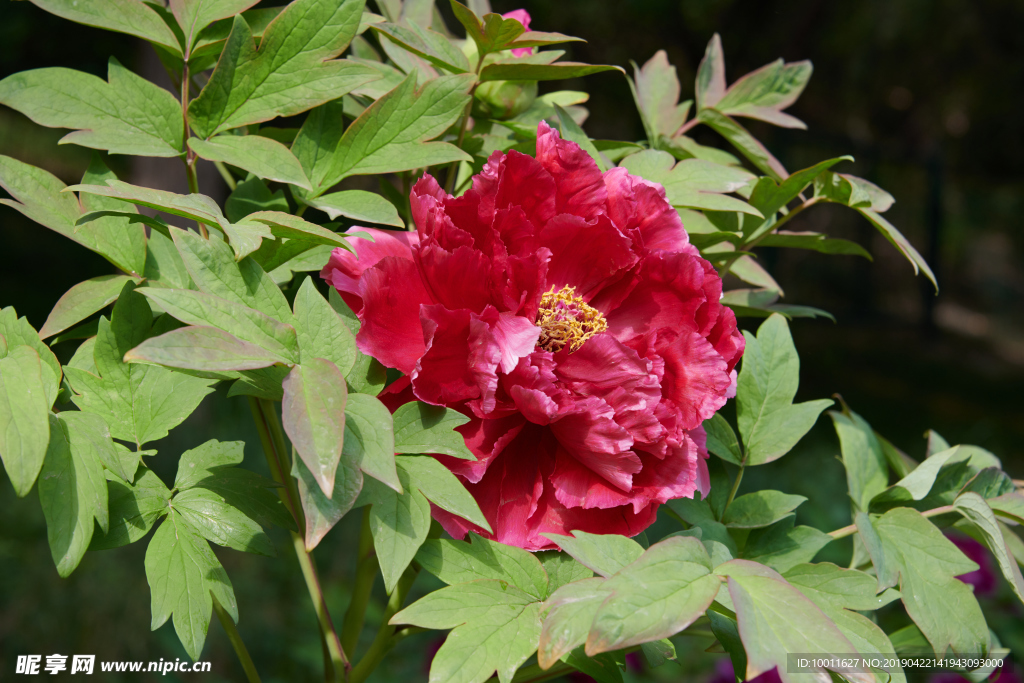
511, 368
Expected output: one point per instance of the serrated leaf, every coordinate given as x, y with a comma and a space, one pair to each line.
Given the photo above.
292, 70
125, 114
911, 550
390, 136
867, 474
72, 491
81, 301
24, 417
774, 618
124, 16
496, 628
441, 487
974, 508
134, 508
360, 206
313, 412
423, 428
658, 595
759, 509
456, 562
256, 154
604, 554
183, 573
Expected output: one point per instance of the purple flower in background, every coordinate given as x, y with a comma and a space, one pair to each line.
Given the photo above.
523, 17
982, 579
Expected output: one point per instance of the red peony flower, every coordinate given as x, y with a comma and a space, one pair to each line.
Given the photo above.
523, 17
566, 313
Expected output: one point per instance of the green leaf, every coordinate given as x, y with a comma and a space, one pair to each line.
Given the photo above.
40, 196
423, 428
292, 70
867, 474
774, 618
422, 42
852, 191
710, 85
207, 460
569, 615
369, 441
18, 332
24, 421
974, 508
768, 420
604, 554
196, 207
286, 226
252, 195
254, 495
164, 266
256, 154
693, 183
183, 573
656, 596
212, 266
399, 523
313, 414
124, 16
897, 239
746, 143
321, 512
195, 15
321, 332
760, 509
72, 491
913, 551
517, 70
441, 487
134, 509
238, 320
722, 439
139, 403
209, 514
782, 545
561, 569
814, 241
771, 197
496, 628
1009, 505
390, 136
571, 131
763, 93
942, 474
459, 562
81, 301
360, 206
125, 114
202, 348
657, 98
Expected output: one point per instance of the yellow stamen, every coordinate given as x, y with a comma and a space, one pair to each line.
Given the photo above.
565, 319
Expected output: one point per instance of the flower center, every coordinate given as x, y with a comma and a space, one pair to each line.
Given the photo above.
566, 320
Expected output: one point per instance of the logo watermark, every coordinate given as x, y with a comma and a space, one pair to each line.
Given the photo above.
35, 665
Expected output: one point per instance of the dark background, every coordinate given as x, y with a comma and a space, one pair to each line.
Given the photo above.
925, 94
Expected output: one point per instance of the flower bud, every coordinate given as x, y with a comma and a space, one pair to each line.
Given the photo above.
503, 99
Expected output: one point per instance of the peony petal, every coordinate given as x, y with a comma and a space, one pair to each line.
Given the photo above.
578, 486
696, 377
668, 294
677, 475
639, 207
516, 336
392, 292
523, 182
344, 268
592, 436
456, 279
458, 363
486, 439
580, 185
585, 255
552, 517
728, 341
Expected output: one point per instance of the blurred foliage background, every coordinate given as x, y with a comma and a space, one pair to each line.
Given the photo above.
925, 94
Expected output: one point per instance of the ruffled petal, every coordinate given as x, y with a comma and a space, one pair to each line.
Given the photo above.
668, 294
392, 292
525, 183
592, 436
640, 208
459, 362
552, 517
585, 255
580, 185
696, 377
344, 268
454, 278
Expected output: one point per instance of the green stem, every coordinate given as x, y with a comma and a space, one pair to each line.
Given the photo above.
301, 210
735, 488
453, 168
385, 640
366, 575
236, 641
226, 175
851, 529
272, 438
